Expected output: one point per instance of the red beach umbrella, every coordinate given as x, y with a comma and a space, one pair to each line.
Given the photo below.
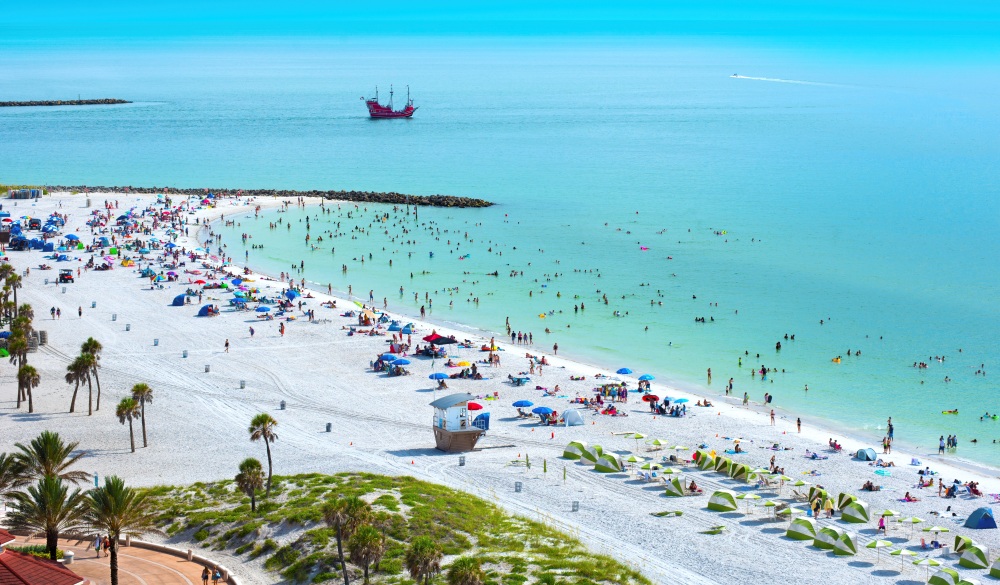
475, 406
651, 398
199, 281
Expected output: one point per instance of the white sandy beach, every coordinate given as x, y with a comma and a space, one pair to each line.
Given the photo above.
197, 426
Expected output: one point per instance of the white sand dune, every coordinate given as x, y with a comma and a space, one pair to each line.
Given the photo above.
198, 421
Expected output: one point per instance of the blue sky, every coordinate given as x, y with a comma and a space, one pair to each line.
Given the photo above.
118, 18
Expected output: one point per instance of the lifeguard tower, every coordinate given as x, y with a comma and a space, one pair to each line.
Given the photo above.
454, 431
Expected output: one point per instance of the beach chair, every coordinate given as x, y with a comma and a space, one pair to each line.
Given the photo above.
799, 496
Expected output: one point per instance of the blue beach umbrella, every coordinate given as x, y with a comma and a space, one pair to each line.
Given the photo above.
523, 404
263, 309
237, 281
72, 237
542, 410
401, 362
170, 246
647, 377
144, 250
389, 357
292, 295
624, 371
239, 301
438, 376
680, 401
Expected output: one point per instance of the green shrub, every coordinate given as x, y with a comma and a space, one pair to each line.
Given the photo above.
35, 550
201, 535
281, 559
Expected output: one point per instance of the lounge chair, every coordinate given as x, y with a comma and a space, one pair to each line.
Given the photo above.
799, 496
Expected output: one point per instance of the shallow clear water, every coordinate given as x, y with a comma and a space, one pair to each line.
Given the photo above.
866, 198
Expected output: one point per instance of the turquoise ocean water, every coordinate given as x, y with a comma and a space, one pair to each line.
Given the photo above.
857, 188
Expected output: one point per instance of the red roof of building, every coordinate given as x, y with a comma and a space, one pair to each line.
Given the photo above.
5, 537
22, 569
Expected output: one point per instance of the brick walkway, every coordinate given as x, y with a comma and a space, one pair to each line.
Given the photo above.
136, 566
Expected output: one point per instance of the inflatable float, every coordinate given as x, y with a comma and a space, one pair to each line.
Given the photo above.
950, 411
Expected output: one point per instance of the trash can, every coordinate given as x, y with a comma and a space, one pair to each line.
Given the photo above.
114, 316
184, 353
156, 341
329, 427
282, 405
93, 304
128, 327
243, 384
68, 557
517, 487
208, 368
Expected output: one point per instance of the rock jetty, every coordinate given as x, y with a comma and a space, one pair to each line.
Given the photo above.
100, 102
356, 196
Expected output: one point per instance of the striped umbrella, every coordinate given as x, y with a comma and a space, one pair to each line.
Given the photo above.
878, 545
748, 498
902, 554
927, 562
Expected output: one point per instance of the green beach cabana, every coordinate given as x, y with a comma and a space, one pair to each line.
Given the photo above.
843, 499
856, 512
961, 543
845, 545
574, 450
995, 569
591, 454
974, 557
675, 488
802, 529
722, 465
739, 471
968, 581
608, 463
945, 576
705, 461
723, 501
817, 492
827, 537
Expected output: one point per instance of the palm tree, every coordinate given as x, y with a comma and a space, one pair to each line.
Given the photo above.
336, 516
128, 410
47, 455
359, 512
250, 479
117, 511
142, 394
49, 507
262, 427
466, 571
75, 374
94, 348
423, 559
87, 363
367, 545
17, 346
10, 473
27, 378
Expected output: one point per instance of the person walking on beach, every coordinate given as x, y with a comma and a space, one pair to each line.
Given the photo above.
52, 312
98, 541
58, 313
107, 545
251, 332
772, 417
746, 399
941, 445
281, 329
555, 349
798, 424
227, 346
79, 312
205, 575
216, 576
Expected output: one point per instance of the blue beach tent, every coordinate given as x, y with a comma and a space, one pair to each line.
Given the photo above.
178, 301
865, 455
482, 421
48, 247
409, 328
981, 519
204, 311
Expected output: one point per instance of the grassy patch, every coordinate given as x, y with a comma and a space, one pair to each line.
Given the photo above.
297, 544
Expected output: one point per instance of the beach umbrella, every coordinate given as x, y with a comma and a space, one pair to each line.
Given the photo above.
680, 400
237, 281
635, 459
770, 505
624, 371
463, 364
292, 294
651, 398
888, 512
936, 529
659, 442
647, 377
748, 498
679, 448
170, 246
928, 563
518, 404
912, 521
389, 357
902, 554
801, 483
670, 470
73, 237
475, 406
637, 437
440, 376
263, 309
542, 410
199, 281
791, 513
144, 250
401, 362
651, 465
878, 545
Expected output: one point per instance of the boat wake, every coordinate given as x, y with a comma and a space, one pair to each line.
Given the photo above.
795, 81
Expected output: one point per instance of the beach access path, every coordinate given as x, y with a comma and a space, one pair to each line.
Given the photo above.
198, 426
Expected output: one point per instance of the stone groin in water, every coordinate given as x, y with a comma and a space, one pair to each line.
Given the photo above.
99, 102
355, 196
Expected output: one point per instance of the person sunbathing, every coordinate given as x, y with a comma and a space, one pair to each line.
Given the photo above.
909, 498
450, 363
693, 488
522, 414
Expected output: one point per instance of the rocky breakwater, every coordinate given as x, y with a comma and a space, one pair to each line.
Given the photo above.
100, 102
356, 196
